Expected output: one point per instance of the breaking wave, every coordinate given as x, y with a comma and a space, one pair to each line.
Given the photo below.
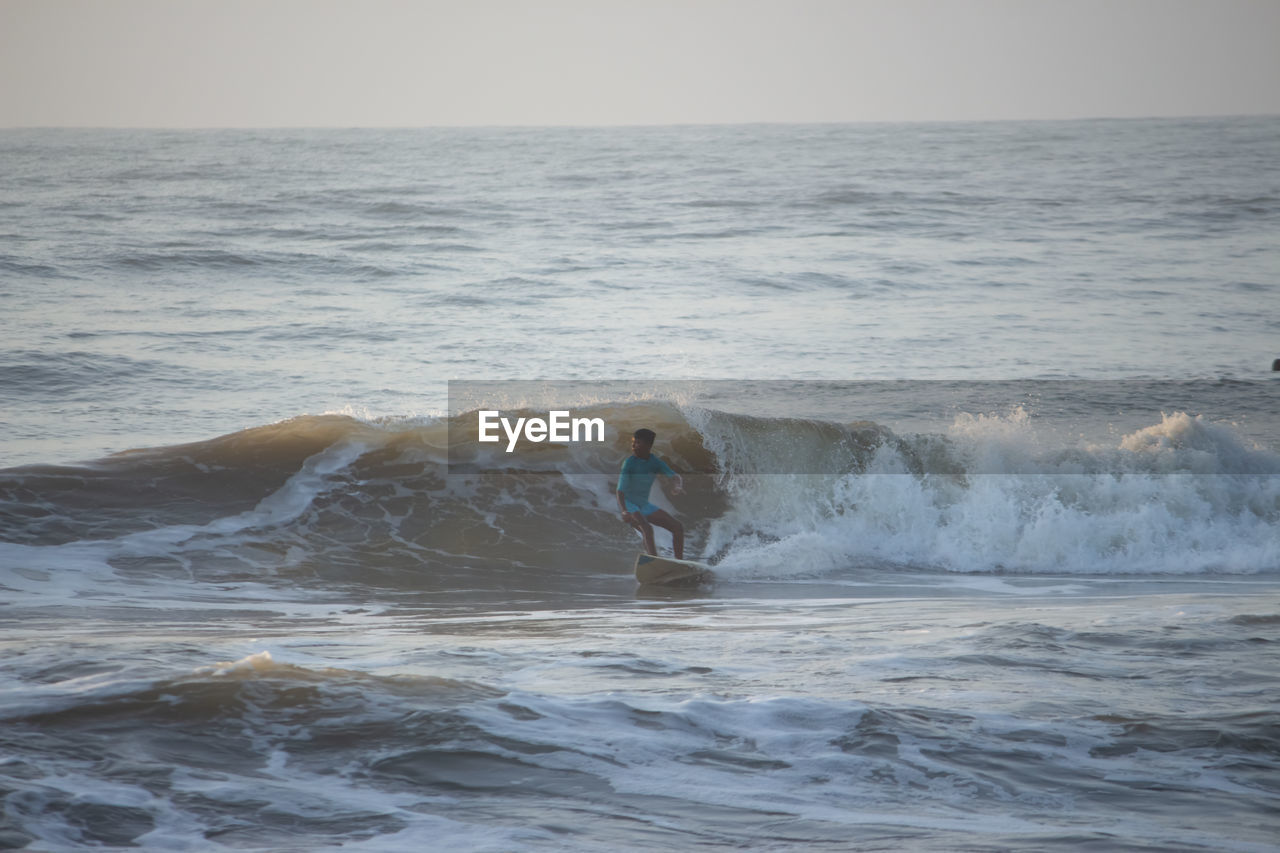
336, 500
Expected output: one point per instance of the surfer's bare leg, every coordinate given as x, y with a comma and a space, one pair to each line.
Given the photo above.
665, 520
638, 521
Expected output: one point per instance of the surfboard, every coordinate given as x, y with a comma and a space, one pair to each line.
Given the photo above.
669, 572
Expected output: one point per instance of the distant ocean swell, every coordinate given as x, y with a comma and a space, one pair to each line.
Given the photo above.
332, 499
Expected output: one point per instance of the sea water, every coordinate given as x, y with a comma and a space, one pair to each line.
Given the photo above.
976, 424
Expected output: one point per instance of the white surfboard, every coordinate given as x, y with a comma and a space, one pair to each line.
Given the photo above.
669, 572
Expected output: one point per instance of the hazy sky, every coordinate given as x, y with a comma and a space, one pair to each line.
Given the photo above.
184, 63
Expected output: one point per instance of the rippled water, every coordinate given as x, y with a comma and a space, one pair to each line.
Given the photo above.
165, 286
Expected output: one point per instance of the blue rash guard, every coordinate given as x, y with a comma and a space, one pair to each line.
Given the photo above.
636, 480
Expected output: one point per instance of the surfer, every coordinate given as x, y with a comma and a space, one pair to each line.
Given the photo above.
639, 470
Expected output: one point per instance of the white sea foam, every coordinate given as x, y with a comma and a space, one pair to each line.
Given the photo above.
1181, 497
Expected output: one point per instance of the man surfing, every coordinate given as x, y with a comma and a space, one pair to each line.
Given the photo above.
639, 470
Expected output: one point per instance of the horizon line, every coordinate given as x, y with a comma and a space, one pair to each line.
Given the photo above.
638, 125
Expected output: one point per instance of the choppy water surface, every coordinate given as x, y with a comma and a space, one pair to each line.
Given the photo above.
162, 287
916, 714
246, 600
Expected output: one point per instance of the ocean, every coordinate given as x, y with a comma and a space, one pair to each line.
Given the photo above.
976, 422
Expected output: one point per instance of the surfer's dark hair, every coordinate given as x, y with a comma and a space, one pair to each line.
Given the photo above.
645, 435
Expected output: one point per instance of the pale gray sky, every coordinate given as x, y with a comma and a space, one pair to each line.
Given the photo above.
202, 63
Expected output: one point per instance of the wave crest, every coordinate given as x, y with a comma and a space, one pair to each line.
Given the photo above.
335, 499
